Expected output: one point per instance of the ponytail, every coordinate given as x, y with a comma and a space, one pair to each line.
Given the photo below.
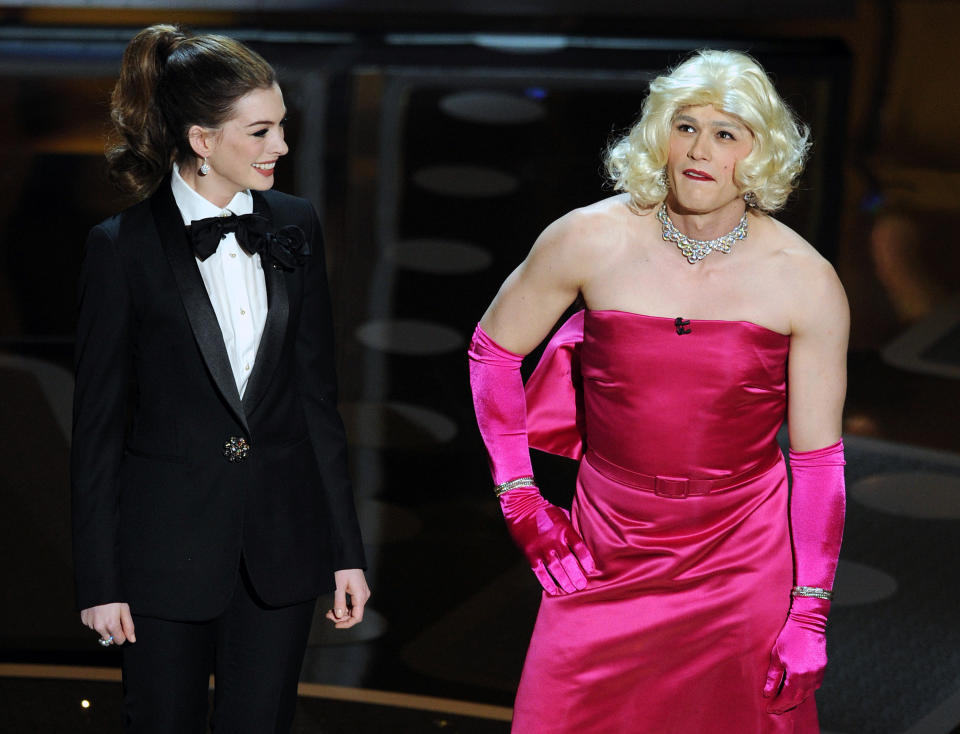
141, 148
169, 81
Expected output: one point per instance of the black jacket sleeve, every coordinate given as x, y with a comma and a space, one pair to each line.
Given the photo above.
102, 367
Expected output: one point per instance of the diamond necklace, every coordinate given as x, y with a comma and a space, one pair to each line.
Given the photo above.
696, 250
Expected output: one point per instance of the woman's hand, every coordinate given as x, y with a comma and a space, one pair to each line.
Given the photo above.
349, 581
112, 621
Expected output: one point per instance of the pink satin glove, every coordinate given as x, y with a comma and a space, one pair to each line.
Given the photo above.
817, 508
558, 556
501, 407
799, 656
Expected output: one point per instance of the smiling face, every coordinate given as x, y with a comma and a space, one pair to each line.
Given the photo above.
705, 146
243, 152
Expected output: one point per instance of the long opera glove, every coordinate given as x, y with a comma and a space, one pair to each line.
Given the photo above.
817, 506
557, 555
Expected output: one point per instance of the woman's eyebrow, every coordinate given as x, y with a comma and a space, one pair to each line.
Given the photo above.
266, 122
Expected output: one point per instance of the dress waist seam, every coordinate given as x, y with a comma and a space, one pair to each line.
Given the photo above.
677, 487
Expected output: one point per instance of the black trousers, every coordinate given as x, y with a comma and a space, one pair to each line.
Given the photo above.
254, 651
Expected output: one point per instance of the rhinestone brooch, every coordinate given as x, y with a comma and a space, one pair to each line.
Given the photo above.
236, 449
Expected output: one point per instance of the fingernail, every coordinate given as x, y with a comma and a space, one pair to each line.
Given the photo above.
338, 613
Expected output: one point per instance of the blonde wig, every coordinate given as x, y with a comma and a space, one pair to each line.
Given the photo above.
737, 85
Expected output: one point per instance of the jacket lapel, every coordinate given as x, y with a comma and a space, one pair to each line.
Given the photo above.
196, 302
274, 330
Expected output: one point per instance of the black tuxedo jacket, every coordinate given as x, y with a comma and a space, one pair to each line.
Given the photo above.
160, 516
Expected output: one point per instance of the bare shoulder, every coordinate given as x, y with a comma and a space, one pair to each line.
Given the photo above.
565, 256
588, 227
590, 232
806, 278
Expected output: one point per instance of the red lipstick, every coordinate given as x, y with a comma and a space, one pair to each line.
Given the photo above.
697, 175
265, 172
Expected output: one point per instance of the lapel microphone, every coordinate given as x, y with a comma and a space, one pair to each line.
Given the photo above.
682, 325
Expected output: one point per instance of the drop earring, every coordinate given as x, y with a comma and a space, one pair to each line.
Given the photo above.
204, 169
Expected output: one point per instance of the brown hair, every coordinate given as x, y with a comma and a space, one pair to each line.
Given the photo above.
169, 81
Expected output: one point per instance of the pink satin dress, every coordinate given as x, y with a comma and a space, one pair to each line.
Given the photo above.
682, 499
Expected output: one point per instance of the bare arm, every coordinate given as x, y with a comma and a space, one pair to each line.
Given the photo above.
536, 294
817, 369
528, 304
816, 386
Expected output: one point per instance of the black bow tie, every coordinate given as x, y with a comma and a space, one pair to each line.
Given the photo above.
285, 249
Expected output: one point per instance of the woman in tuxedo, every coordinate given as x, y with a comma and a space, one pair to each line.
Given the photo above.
211, 502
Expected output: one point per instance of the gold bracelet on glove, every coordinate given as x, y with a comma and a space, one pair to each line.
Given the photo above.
513, 484
814, 591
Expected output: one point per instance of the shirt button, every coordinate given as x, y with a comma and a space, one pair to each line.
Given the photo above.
233, 254
243, 312
247, 367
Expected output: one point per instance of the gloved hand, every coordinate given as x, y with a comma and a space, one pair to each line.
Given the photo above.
817, 508
557, 555
799, 657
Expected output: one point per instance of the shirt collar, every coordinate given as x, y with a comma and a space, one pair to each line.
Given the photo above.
193, 206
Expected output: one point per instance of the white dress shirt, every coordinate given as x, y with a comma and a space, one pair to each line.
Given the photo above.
233, 279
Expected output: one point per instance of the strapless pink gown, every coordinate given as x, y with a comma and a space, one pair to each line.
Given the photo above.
675, 636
